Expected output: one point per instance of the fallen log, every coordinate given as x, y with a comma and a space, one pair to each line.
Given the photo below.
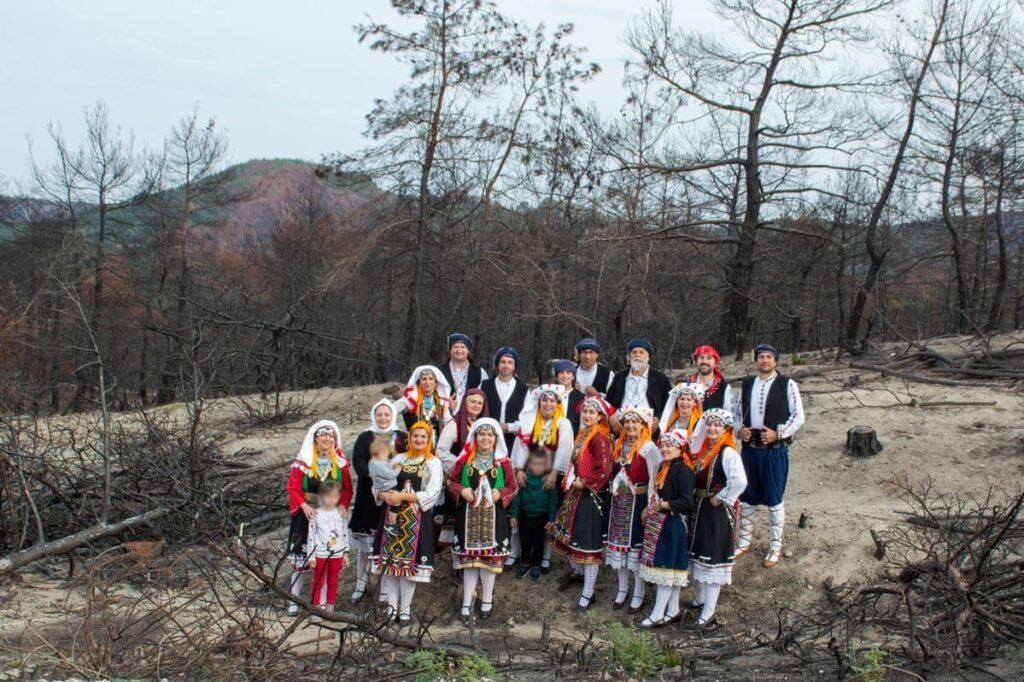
14, 561
914, 378
985, 373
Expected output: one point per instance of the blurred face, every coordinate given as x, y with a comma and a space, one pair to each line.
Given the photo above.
639, 359
765, 362
428, 382
685, 403
419, 439
506, 366
538, 466
329, 498
486, 439
588, 358
633, 427
325, 442
706, 363
589, 416
548, 403
382, 417
566, 378
474, 405
715, 430
670, 450
459, 352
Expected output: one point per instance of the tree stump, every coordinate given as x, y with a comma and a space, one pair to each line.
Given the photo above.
861, 441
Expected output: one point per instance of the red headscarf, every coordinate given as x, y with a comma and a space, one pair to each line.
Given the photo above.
719, 377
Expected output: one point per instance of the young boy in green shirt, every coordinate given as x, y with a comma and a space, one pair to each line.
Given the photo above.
531, 510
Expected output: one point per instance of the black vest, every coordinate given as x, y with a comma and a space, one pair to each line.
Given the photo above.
776, 408
474, 376
575, 398
602, 377
716, 399
512, 408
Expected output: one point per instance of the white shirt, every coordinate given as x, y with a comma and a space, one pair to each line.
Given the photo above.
504, 389
735, 477
328, 535
560, 463
759, 397
636, 390
430, 486
585, 378
460, 377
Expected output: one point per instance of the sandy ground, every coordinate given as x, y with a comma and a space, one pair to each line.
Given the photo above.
964, 449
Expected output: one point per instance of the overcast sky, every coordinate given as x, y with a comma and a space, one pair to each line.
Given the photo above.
285, 79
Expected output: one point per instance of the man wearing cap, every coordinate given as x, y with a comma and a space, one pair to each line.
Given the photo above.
592, 379
717, 392
460, 371
640, 385
505, 394
770, 410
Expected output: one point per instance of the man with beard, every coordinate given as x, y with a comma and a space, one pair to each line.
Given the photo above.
717, 393
771, 413
640, 385
460, 371
592, 379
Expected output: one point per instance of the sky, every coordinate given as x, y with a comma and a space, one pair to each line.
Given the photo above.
284, 79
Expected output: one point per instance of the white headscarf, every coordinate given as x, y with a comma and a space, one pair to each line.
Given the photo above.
695, 389
500, 451
373, 418
306, 457
444, 389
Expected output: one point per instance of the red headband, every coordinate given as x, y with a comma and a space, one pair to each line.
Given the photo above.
706, 350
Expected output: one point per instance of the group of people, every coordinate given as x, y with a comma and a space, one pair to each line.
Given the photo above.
659, 482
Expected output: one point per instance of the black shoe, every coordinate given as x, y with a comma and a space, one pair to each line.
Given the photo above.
695, 624
648, 624
484, 615
580, 608
521, 571
545, 569
568, 579
357, 597
616, 605
535, 573
465, 613
635, 609
693, 606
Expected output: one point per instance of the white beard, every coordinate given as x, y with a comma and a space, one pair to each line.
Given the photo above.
637, 365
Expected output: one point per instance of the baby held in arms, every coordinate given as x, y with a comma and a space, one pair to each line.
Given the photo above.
384, 474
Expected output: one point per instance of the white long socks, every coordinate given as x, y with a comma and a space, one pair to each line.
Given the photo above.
672, 608
639, 590
623, 575
362, 570
407, 589
470, 576
486, 589
711, 592
299, 583
516, 547
661, 599
746, 531
776, 520
698, 593
389, 592
589, 582
546, 561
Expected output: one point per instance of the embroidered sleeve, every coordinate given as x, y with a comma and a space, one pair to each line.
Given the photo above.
430, 491
519, 454
295, 495
735, 477
564, 450
796, 412
346, 487
454, 479
601, 465
508, 493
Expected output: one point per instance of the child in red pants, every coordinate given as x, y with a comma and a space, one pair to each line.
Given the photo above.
327, 546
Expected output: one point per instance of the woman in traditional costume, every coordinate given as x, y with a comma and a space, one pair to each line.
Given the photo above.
665, 558
427, 398
565, 376
634, 458
320, 458
683, 409
454, 435
577, 529
365, 512
483, 484
404, 550
720, 479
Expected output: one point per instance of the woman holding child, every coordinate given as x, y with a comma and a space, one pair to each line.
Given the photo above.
365, 512
483, 485
403, 552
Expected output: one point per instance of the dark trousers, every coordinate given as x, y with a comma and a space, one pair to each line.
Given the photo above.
532, 535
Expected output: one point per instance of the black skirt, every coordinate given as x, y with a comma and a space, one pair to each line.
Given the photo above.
711, 533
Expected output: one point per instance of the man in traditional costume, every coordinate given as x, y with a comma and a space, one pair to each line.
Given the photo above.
640, 385
717, 392
592, 378
460, 371
506, 394
771, 412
